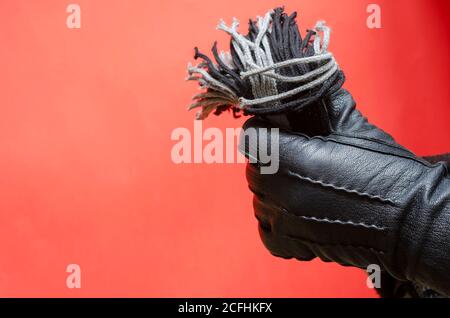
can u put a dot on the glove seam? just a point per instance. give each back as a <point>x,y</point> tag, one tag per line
<point>415,159</point>
<point>282,209</point>
<point>343,189</point>
<point>338,221</point>
<point>378,141</point>
<point>307,241</point>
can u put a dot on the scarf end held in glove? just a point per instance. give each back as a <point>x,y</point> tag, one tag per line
<point>272,71</point>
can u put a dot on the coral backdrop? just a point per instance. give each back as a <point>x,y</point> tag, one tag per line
<point>86,115</point>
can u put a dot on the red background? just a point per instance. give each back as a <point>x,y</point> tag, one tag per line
<point>86,115</point>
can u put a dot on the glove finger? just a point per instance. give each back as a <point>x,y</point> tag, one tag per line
<point>284,247</point>
<point>275,241</point>
<point>324,238</point>
<point>346,119</point>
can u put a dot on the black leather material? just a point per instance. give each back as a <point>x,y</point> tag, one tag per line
<point>444,158</point>
<point>355,197</point>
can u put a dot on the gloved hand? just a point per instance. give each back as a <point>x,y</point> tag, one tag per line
<point>354,197</point>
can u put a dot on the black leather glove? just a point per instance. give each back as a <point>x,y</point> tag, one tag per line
<point>355,197</point>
